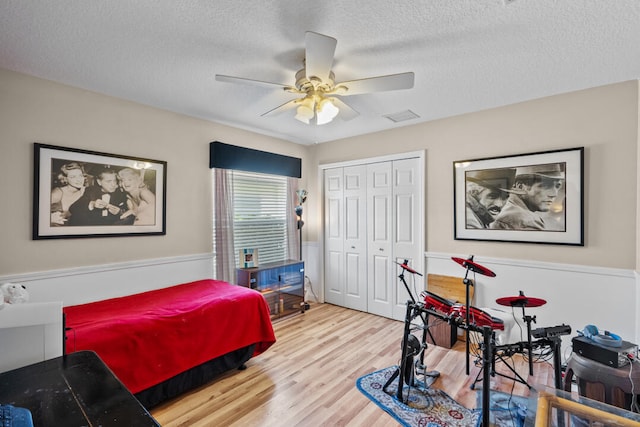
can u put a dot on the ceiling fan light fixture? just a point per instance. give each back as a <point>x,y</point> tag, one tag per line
<point>304,112</point>
<point>326,111</point>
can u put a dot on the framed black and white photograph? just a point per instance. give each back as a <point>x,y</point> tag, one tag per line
<point>528,198</point>
<point>81,193</point>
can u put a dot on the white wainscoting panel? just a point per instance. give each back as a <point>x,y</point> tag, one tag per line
<point>86,284</point>
<point>311,257</point>
<point>29,333</point>
<point>576,295</point>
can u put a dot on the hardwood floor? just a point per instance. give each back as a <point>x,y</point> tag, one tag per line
<point>307,378</point>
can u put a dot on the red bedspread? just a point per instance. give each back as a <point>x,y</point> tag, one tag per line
<point>150,337</point>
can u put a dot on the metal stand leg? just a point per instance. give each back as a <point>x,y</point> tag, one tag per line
<point>557,363</point>
<point>528,320</point>
<point>487,357</point>
<point>467,283</point>
<point>405,344</point>
<point>425,332</point>
<point>497,355</point>
<point>425,322</point>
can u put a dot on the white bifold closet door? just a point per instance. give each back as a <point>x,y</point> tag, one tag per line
<point>380,238</point>
<point>372,220</point>
<point>408,231</point>
<point>345,237</point>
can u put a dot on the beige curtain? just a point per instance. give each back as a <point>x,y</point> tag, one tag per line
<point>293,234</point>
<point>223,226</point>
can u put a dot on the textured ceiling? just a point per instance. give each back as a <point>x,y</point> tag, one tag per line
<point>467,55</point>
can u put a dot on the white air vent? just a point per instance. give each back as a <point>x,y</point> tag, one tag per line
<point>402,116</point>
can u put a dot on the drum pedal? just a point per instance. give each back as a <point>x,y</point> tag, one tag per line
<point>421,370</point>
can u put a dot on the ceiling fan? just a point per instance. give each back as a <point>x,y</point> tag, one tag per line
<point>320,101</point>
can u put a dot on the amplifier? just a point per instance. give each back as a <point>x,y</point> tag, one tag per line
<point>615,357</point>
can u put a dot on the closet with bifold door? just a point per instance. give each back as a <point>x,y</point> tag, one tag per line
<point>373,219</point>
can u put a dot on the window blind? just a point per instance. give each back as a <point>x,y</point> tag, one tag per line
<point>260,215</point>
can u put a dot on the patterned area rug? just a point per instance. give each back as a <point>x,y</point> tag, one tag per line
<point>425,407</point>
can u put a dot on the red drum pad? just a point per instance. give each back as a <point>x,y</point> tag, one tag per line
<point>521,301</point>
<point>474,266</point>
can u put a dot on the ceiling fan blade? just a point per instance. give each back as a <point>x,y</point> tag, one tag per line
<point>346,111</point>
<point>282,108</point>
<point>376,84</point>
<point>251,82</point>
<point>319,51</point>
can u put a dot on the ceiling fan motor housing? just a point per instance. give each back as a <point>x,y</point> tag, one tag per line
<point>310,84</point>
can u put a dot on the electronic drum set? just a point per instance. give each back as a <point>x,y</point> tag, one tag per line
<point>471,319</point>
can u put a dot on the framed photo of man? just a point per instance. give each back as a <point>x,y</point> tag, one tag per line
<point>526,198</point>
<point>81,193</point>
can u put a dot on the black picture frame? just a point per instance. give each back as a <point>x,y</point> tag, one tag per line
<point>81,193</point>
<point>511,198</point>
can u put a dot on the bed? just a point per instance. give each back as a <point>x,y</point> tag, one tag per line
<point>163,342</point>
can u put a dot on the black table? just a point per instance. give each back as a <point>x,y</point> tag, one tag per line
<point>77,389</point>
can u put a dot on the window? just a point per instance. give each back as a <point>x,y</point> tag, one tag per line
<point>260,214</point>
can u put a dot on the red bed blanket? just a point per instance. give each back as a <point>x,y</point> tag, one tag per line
<point>150,337</point>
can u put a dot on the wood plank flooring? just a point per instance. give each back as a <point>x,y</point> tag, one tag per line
<point>307,378</point>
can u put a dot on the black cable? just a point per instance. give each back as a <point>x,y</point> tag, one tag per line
<point>513,421</point>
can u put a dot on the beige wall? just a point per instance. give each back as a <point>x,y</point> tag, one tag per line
<point>35,110</point>
<point>604,120</point>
